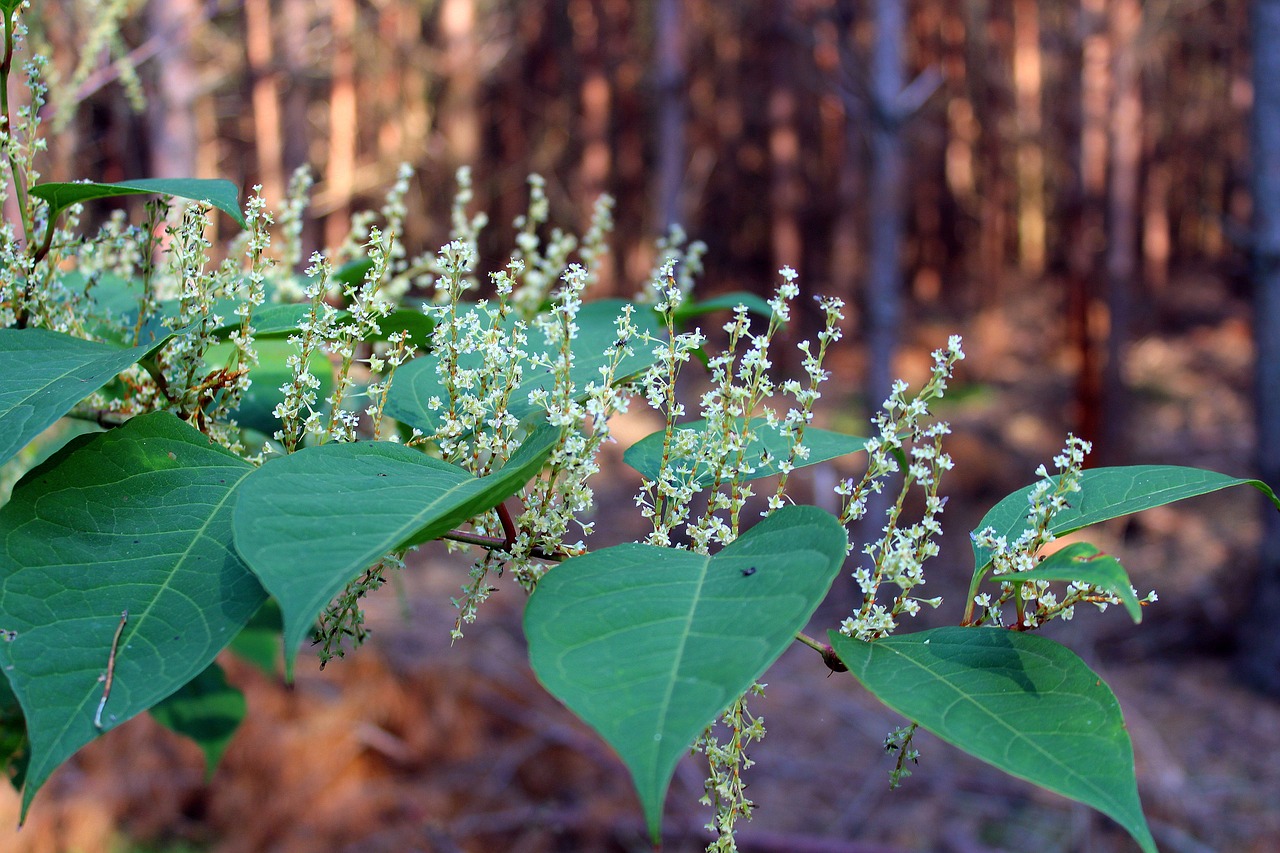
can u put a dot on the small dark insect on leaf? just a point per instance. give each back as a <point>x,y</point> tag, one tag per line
<point>749,571</point>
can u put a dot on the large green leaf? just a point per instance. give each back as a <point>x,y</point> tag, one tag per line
<point>1019,702</point>
<point>206,709</point>
<point>216,192</point>
<point>1107,493</point>
<point>649,644</point>
<point>310,522</point>
<point>1084,563</point>
<point>421,379</point>
<point>44,374</point>
<point>646,454</point>
<point>136,520</point>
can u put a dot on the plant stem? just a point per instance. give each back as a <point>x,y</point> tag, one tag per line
<point>829,656</point>
<point>6,65</point>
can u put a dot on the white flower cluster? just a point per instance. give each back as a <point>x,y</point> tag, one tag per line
<point>725,452</point>
<point>1035,602</point>
<point>898,557</point>
<point>725,789</point>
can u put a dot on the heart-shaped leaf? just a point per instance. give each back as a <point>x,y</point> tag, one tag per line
<point>46,374</point>
<point>215,192</point>
<point>206,709</point>
<point>1019,702</point>
<point>594,347</point>
<point>649,644</point>
<point>136,520</point>
<point>646,455</point>
<point>1107,493</point>
<point>310,522</point>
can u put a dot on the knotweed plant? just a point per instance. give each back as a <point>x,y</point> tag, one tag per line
<point>263,440</point>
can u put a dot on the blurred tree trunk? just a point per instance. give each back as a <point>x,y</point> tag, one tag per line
<point>459,113</point>
<point>886,175</point>
<point>785,190</point>
<point>1027,81</point>
<point>259,40</point>
<point>1123,203</point>
<point>340,170</point>
<point>1260,632</point>
<point>846,247</point>
<point>669,76</point>
<point>172,119</point>
<point>1086,309</point>
<point>595,98</point>
<point>298,16</point>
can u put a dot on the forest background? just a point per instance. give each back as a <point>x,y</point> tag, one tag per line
<point>1066,183</point>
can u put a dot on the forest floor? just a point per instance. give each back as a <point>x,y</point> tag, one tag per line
<point>410,745</point>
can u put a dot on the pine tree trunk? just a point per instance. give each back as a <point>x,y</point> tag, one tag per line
<point>1260,634</point>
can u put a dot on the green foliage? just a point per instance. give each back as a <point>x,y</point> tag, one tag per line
<point>219,193</point>
<point>207,710</point>
<point>136,520</point>
<point>649,644</point>
<point>424,378</point>
<point>130,559</point>
<point>1107,493</point>
<point>46,374</point>
<point>310,522</point>
<point>767,448</point>
<point>1022,703</point>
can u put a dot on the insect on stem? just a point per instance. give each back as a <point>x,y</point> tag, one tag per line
<point>111,670</point>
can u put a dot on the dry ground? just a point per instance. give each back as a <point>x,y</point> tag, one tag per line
<point>411,745</point>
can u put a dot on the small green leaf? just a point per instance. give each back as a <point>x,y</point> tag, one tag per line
<point>258,642</point>
<point>258,403</point>
<point>269,321</point>
<point>648,644</point>
<point>206,709</point>
<point>10,6</point>
<point>646,454</point>
<point>724,302</point>
<point>420,380</point>
<point>136,519</point>
<point>46,373</point>
<point>215,192</point>
<point>1082,562</point>
<point>1107,493</point>
<point>1022,703</point>
<point>15,751</point>
<point>310,522</point>
<point>415,324</point>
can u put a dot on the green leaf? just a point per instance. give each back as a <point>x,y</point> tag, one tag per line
<point>215,192</point>
<point>1107,493</point>
<point>415,324</point>
<point>206,709</point>
<point>648,645</point>
<point>269,321</point>
<point>258,403</point>
<point>136,519</point>
<point>310,522</point>
<point>646,454</point>
<point>724,302</point>
<point>1022,703</point>
<point>46,373</point>
<point>10,6</point>
<point>14,748</point>
<point>1082,562</point>
<point>258,642</point>
<point>420,380</point>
